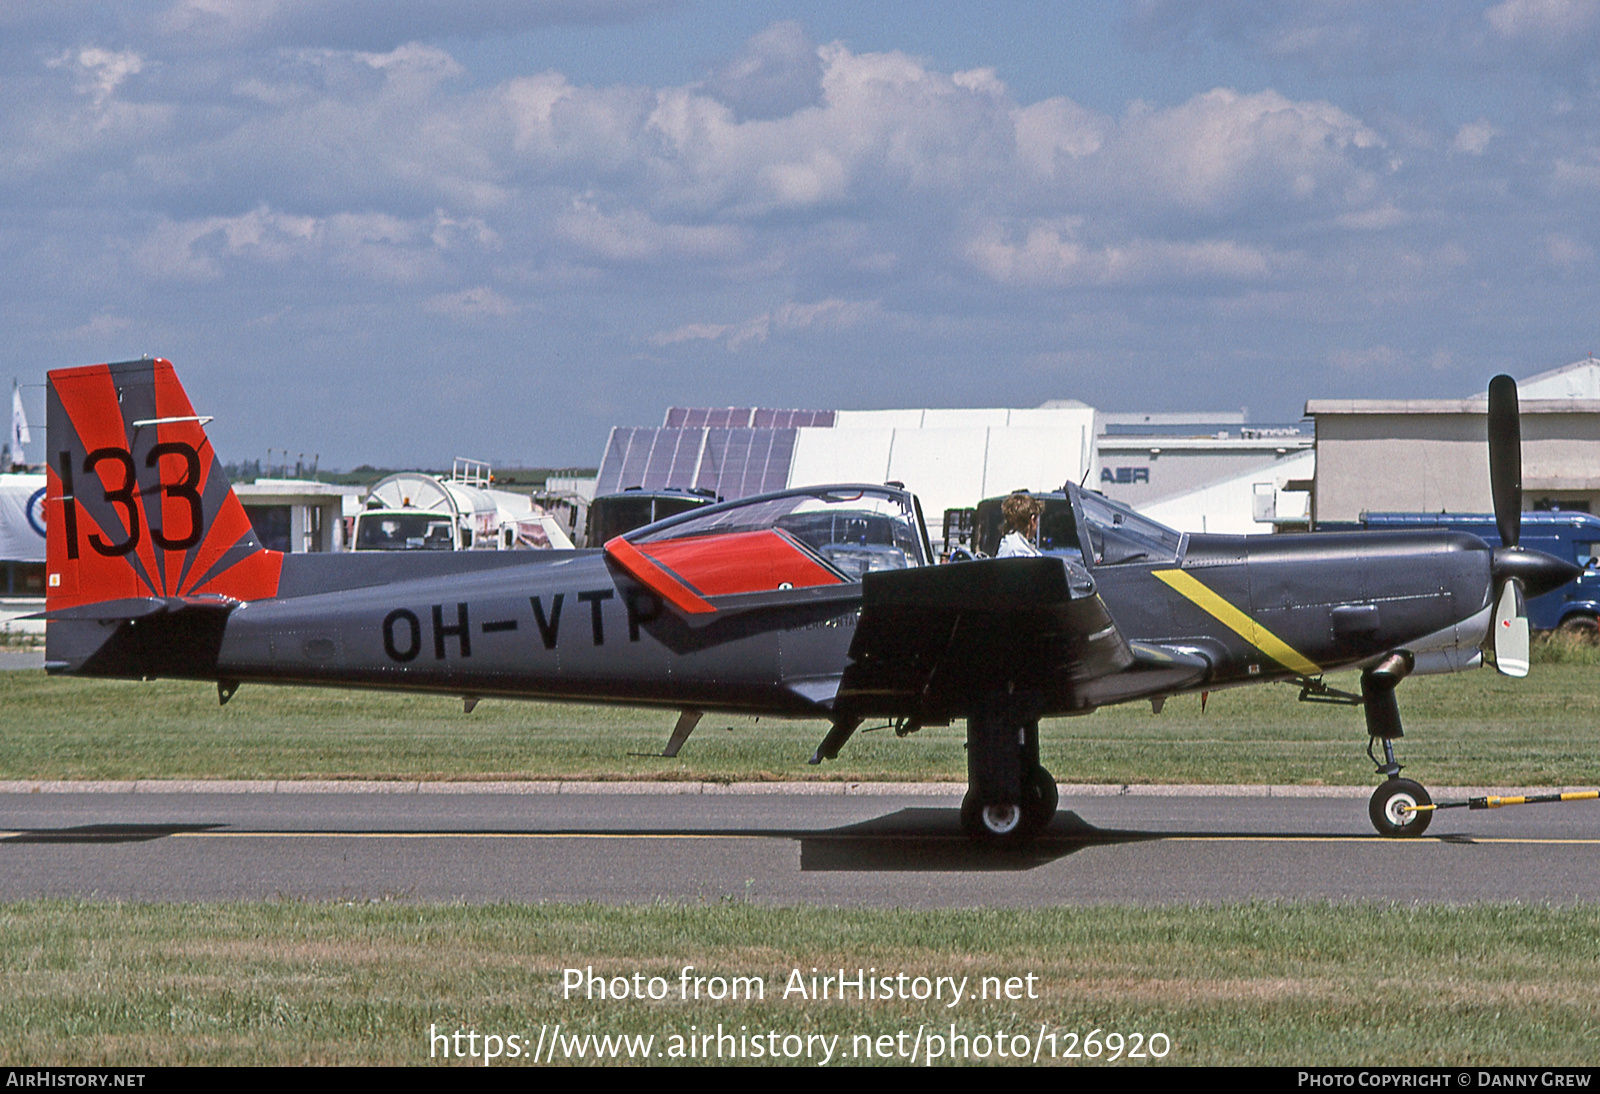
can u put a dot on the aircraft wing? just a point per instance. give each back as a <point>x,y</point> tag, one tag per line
<point>933,640</point>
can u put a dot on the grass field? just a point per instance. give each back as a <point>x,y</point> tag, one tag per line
<point>1475,728</point>
<point>1258,984</point>
<point>1287,984</point>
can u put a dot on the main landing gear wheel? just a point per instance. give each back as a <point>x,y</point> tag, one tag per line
<point>1393,806</point>
<point>1012,824</point>
<point>994,823</point>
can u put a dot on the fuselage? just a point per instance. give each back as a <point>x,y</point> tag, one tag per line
<point>573,625</point>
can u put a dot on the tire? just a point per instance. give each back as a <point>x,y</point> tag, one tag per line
<point>1003,825</point>
<point>1039,799</point>
<point>1584,627</point>
<point>1384,811</point>
<point>1012,825</point>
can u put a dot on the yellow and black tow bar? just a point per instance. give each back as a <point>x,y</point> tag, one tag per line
<point>1490,802</point>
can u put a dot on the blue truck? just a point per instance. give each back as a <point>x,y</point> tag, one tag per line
<point>1575,607</point>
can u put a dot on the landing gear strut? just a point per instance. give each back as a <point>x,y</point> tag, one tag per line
<point>1010,796</point>
<point>1394,805</point>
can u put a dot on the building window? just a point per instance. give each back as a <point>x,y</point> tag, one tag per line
<point>271,523</point>
<point>22,579</point>
<point>1561,505</point>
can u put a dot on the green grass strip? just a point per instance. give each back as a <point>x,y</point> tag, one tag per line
<point>1283,984</point>
<point>1474,728</point>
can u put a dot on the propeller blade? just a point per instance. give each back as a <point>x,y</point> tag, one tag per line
<point>1511,631</point>
<point>1505,458</point>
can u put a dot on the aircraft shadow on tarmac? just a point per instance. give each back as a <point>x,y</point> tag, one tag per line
<point>931,839</point>
<point>107,833</point>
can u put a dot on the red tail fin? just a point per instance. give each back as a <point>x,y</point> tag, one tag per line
<point>137,503</point>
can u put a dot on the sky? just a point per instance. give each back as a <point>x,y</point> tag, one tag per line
<point>396,231</point>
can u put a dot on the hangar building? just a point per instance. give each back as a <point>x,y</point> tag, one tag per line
<point>1430,455</point>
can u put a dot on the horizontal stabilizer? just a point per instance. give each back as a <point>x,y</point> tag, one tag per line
<point>136,607</point>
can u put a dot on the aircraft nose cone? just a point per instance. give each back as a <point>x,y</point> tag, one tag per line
<point>1538,572</point>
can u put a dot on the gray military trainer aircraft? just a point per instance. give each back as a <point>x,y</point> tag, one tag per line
<point>812,602</point>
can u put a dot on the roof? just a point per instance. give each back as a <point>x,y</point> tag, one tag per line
<point>1128,442</point>
<point>293,489</point>
<point>1579,380</point>
<point>1476,405</point>
<point>1570,389</point>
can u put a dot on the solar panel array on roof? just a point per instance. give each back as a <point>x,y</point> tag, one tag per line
<point>732,417</point>
<point>731,462</point>
<point>740,462</point>
<point>699,416</point>
<point>793,419</point>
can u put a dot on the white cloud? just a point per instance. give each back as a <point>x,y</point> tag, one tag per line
<point>1579,172</point>
<point>1376,219</point>
<point>1544,22</point>
<point>1054,129</point>
<point>632,236</point>
<point>100,71</point>
<point>886,128</point>
<point>378,24</point>
<point>103,326</point>
<point>364,192</point>
<point>450,233</point>
<point>380,247</point>
<point>777,72</point>
<point>481,302</point>
<point>691,332</point>
<point>1372,361</point>
<point>1566,252</point>
<point>1224,147</point>
<point>878,164</point>
<point>832,315</point>
<point>1473,138</point>
<point>1050,253</point>
<point>825,315</point>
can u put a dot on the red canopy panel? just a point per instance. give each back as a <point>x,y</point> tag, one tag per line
<point>684,571</point>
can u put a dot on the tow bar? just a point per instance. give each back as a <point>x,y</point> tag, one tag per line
<point>1489,802</point>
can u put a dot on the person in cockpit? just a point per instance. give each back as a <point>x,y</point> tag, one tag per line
<point>1020,513</point>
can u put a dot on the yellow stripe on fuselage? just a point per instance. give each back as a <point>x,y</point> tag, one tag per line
<point>1238,622</point>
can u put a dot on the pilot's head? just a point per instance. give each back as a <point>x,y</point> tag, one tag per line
<point>1021,513</point>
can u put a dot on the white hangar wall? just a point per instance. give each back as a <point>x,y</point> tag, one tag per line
<point>951,459</point>
<point>1260,500</point>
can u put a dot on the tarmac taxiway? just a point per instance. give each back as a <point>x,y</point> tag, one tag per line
<point>834,845</point>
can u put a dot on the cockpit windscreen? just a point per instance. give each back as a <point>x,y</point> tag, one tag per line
<point>855,530</point>
<point>1117,534</point>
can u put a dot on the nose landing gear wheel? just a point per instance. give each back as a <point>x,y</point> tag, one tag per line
<point>1392,809</point>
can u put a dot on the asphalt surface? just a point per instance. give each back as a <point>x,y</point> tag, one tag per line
<point>886,849</point>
